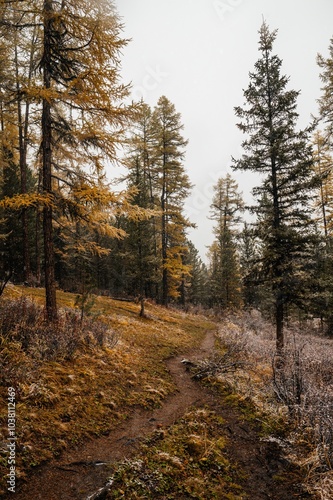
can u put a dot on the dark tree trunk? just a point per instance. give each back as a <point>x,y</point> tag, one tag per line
<point>279,317</point>
<point>38,247</point>
<point>23,175</point>
<point>279,314</point>
<point>142,306</point>
<point>165,284</point>
<point>50,287</point>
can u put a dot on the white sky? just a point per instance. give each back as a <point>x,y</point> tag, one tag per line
<point>198,53</point>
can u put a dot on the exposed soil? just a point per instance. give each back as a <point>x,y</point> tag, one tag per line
<point>79,473</point>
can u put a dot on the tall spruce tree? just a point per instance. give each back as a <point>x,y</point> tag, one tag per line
<point>140,248</point>
<point>225,276</point>
<point>283,157</point>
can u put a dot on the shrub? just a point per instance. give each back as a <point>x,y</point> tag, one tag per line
<point>23,322</point>
<point>297,384</point>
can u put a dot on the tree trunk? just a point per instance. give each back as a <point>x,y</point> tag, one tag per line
<point>276,217</point>
<point>23,175</point>
<point>165,284</point>
<point>50,287</point>
<point>38,246</point>
<point>279,316</point>
<point>142,306</point>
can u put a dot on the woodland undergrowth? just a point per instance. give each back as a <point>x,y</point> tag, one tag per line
<point>81,376</point>
<point>293,393</point>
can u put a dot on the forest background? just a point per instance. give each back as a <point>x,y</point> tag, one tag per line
<point>66,117</point>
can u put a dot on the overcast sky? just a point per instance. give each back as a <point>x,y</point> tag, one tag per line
<point>198,53</point>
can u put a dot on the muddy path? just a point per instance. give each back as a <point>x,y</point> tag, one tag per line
<point>79,473</point>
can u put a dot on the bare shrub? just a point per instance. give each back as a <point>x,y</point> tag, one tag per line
<point>22,321</point>
<point>297,385</point>
<point>289,381</point>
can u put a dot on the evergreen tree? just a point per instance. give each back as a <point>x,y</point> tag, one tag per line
<point>140,248</point>
<point>197,282</point>
<point>283,157</point>
<point>225,275</point>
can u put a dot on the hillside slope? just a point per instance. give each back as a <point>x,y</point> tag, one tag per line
<point>67,391</point>
<point>129,421</point>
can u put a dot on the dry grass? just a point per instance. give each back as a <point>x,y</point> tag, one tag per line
<point>187,460</point>
<point>61,401</point>
<point>291,394</point>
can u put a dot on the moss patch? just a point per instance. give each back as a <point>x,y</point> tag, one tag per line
<point>185,461</point>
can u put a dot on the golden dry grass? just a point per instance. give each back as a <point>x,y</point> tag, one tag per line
<point>187,460</point>
<point>62,402</point>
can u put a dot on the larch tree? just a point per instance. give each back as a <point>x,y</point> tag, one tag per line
<point>323,167</point>
<point>25,57</point>
<point>283,157</point>
<point>225,279</point>
<point>326,99</point>
<point>13,244</point>
<point>172,186</point>
<point>76,88</point>
<point>21,32</point>
<point>323,256</point>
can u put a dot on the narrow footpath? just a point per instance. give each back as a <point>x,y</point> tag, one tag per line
<point>79,474</point>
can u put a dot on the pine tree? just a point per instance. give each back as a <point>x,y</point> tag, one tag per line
<point>140,248</point>
<point>225,276</point>
<point>283,157</point>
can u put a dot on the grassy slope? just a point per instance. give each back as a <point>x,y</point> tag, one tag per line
<point>61,403</point>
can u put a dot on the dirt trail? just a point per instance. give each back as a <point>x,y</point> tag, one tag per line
<point>79,473</point>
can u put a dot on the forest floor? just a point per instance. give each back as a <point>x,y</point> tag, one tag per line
<point>257,468</point>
